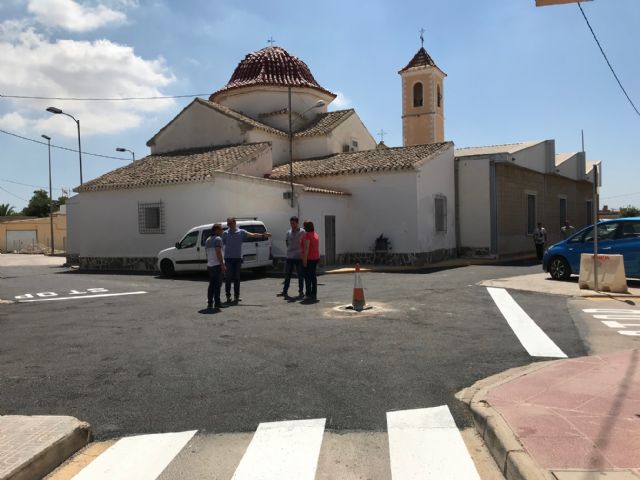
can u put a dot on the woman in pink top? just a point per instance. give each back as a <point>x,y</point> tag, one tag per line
<point>310,246</point>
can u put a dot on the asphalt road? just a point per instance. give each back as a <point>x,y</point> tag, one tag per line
<point>159,362</point>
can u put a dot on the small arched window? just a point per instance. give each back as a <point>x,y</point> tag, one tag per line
<point>417,95</point>
<point>439,97</point>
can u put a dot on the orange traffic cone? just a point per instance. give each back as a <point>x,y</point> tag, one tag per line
<point>358,302</point>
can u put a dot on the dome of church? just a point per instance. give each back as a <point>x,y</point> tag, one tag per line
<point>271,66</point>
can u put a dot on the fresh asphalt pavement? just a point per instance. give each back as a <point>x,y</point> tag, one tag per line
<point>158,361</point>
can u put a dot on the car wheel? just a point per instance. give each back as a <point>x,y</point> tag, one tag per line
<point>559,268</point>
<point>167,268</point>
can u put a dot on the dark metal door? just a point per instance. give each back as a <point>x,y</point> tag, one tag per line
<point>329,239</point>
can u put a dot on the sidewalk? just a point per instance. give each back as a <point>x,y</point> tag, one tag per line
<point>575,419</point>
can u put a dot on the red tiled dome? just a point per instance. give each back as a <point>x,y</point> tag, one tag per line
<point>271,66</point>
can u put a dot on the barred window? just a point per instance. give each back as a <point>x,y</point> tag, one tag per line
<point>441,213</point>
<point>151,217</point>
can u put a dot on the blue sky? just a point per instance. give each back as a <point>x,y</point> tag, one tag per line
<point>514,73</point>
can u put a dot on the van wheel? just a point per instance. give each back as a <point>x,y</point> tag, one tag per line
<point>559,268</point>
<point>167,268</point>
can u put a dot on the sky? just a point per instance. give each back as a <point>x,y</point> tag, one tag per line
<point>515,73</point>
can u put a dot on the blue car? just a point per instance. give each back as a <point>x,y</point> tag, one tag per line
<point>620,236</point>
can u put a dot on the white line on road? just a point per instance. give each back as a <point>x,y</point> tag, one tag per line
<point>143,457</point>
<point>283,451</point>
<point>51,299</point>
<point>426,444</point>
<point>531,336</point>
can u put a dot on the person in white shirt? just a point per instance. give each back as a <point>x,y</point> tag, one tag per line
<point>215,266</point>
<point>540,239</point>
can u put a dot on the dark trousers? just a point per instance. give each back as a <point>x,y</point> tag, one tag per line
<point>233,275</point>
<point>540,250</point>
<point>310,278</point>
<point>215,284</point>
<point>291,264</point>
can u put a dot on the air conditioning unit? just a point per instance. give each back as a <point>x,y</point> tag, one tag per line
<point>346,148</point>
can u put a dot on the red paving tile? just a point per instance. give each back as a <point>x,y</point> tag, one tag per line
<point>565,452</point>
<point>577,414</point>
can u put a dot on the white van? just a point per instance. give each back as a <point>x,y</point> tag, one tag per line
<point>189,253</point>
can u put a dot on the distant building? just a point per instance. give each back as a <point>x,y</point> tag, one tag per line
<point>33,234</point>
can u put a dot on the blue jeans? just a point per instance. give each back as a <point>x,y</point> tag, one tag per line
<point>233,275</point>
<point>291,264</point>
<point>310,279</point>
<point>215,284</point>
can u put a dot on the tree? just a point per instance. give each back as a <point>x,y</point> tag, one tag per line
<point>6,210</point>
<point>629,211</point>
<point>38,205</point>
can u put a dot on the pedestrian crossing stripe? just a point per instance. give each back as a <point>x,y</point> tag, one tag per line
<point>142,457</point>
<point>423,443</point>
<point>531,336</point>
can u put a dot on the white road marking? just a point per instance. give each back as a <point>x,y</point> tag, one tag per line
<point>51,299</point>
<point>610,316</point>
<point>426,444</point>
<point>531,336</point>
<point>142,457</point>
<point>283,451</point>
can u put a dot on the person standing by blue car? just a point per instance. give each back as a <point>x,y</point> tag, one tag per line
<point>232,239</point>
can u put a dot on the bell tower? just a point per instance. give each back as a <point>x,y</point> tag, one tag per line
<point>422,100</point>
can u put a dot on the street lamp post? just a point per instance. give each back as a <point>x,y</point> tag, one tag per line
<point>318,104</point>
<point>57,111</point>
<point>133,155</point>
<point>48,139</point>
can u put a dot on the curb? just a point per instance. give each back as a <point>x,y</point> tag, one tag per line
<point>514,461</point>
<point>45,461</point>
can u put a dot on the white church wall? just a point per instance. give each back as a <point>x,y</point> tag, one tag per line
<point>573,167</point>
<point>436,179</point>
<point>474,197</point>
<point>259,100</point>
<point>105,224</point>
<point>256,167</point>
<point>199,126</point>
<point>315,207</point>
<point>351,129</point>
<point>379,204</point>
<point>537,157</point>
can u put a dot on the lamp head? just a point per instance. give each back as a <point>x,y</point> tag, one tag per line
<point>54,110</point>
<point>46,137</point>
<point>120,149</point>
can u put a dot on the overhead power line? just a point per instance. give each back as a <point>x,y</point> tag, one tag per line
<point>23,199</point>
<point>104,99</point>
<point>607,60</point>
<point>28,185</point>
<point>64,148</point>
<point>622,195</point>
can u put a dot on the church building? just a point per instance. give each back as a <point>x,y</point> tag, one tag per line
<point>266,146</point>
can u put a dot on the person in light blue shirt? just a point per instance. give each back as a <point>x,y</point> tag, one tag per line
<point>232,239</point>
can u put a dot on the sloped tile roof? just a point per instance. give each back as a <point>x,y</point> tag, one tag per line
<point>325,191</point>
<point>325,123</point>
<point>368,161</point>
<point>271,66</point>
<point>420,59</point>
<point>493,149</point>
<point>193,165</point>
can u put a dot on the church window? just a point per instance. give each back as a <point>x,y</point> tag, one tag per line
<point>151,217</point>
<point>439,94</point>
<point>417,95</point>
<point>441,213</point>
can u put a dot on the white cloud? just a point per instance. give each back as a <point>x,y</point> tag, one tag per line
<point>34,66</point>
<point>341,102</point>
<point>72,16</point>
<point>12,121</point>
